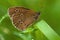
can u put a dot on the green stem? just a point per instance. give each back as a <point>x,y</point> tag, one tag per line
<point>3,18</point>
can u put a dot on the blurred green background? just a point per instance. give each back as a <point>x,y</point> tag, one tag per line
<point>50,13</point>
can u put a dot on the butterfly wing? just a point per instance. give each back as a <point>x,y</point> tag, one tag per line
<point>22,17</point>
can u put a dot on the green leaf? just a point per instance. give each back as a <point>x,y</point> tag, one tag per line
<point>47,30</point>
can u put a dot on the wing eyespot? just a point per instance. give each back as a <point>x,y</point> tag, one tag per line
<point>21,14</point>
<point>16,10</point>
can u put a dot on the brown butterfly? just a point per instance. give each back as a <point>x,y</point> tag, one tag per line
<point>22,17</point>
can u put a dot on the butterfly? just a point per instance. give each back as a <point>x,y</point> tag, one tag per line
<point>22,17</point>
